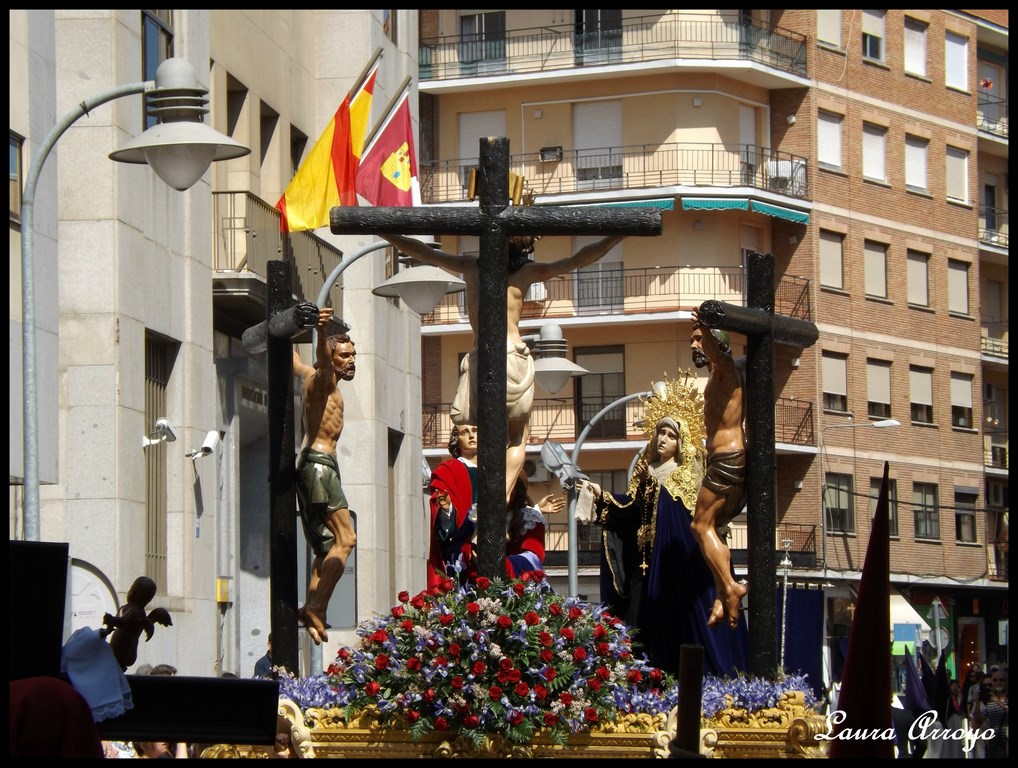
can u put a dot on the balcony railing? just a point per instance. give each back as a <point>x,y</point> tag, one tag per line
<point>991,115</point>
<point>993,227</point>
<point>247,236</point>
<point>996,560</point>
<point>556,419</point>
<point>646,38</point>
<point>994,336</point>
<point>632,167</point>
<point>631,291</point>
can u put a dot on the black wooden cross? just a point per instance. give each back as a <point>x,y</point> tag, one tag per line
<point>762,328</point>
<point>493,221</point>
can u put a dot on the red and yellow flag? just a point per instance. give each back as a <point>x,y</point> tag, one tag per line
<point>388,169</point>
<point>327,176</point>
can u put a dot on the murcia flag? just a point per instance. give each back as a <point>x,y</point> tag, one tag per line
<point>388,171</point>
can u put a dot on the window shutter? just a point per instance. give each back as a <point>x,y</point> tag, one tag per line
<point>956,61</point>
<point>829,138</point>
<point>831,273</point>
<point>915,47</point>
<point>835,378</point>
<point>957,287</point>
<point>878,381</point>
<point>876,269</point>
<point>918,281</point>
<point>874,151</point>
<point>829,27</point>
<point>961,390</point>
<point>921,385</point>
<point>957,174</point>
<point>915,162</point>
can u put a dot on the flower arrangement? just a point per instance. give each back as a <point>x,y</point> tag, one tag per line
<point>752,694</point>
<point>495,657</point>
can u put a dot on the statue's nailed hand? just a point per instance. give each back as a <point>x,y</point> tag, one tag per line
<point>306,314</point>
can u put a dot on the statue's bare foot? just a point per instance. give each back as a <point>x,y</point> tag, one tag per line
<point>314,625</point>
<point>733,604</point>
<point>717,613</point>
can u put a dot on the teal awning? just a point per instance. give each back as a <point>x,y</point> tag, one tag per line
<point>799,217</point>
<point>715,204</point>
<point>665,204</point>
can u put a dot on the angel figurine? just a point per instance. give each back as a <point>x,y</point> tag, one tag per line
<point>126,627</point>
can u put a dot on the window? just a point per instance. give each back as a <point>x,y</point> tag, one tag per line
<point>159,357</point>
<point>829,139</point>
<point>831,260</point>
<point>875,269</point>
<point>956,62</point>
<point>873,35</point>
<point>597,138</point>
<point>957,287</point>
<point>892,501</point>
<point>965,516</point>
<point>838,498</point>
<point>599,286</point>
<point>915,47</point>
<point>878,388</point>
<point>874,152</point>
<point>598,36</point>
<point>482,42</point>
<point>957,174</point>
<point>918,278</point>
<point>961,400</point>
<point>829,28</point>
<point>605,384</point>
<point>474,126</point>
<point>389,25</point>
<point>927,514</point>
<point>16,180</point>
<point>835,382</point>
<point>920,381</point>
<point>156,47</point>
<point>915,162</point>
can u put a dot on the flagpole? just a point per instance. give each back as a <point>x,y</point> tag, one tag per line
<point>404,86</point>
<point>364,72</point>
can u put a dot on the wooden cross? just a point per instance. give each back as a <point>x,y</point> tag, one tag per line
<point>762,328</point>
<point>493,221</point>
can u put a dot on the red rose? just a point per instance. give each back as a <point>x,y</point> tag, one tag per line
<point>546,655</point>
<point>503,677</point>
<point>479,667</point>
<point>429,695</point>
<point>521,689</point>
<point>538,575</point>
<point>594,684</point>
<point>473,608</point>
<point>413,664</point>
<point>550,718</point>
<point>446,619</point>
<point>545,639</point>
<point>549,673</point>
<point>505,664</point>
<point>604,673</point>
<point>575,612</point>
<point>406,625</point>
<point>457,682</point>
<point>567,633</point>
<point>454,649</point>
<point>483,582</point>
<point>413,715</point>
<point>471,721</point>
<point>603,649</point>
<point>655,675</point>
<point>514,675</point>
<point>515,717</point>
<point>495,693</point>
<point>555,609</point>
<point>440,661</point>
<point>504,622</point>
<point>634,676</point>
<point>566,698</point>
<point>447,584</point>
<point>398,611</point>
<point>344,653</point>
<point>540,691</point>
<point>599,631</point>
<point>372,688</point>
<point>590,715</point>
<point>403,596</point>
<point>623,655</point>
<point>580,653</point>
<point>381,661</point>
<point>417,602</point>
<point>519,588</point>
<point>332,670</point>
<point>379,636</point>
<point>441,724</point>
<point>531,618</point>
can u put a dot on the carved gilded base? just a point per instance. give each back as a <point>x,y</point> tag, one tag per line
<point>786,730</point>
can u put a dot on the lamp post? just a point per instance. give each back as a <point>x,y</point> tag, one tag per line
<point>786,563</point>
<point>881,424</point>
<point>179,148</point>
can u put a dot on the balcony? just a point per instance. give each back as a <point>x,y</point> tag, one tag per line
<point>993,227</point>
<point>802,553</point>
<point>632,167</point>
<point>993,341</point>
<point>664,37</point>
<point>556,419</point>
<point>611,292</point>
<point>991,115</point>
<point>247,236</point>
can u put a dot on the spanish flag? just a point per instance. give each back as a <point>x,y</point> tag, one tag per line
<point>327,176</point>
<point>388,170</point>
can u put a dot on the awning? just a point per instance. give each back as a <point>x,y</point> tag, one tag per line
<point>665,204</point>
<point>902,612</point>
<point>715,204</point>
<point>799,217</point>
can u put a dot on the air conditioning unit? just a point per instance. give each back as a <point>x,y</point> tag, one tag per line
<point>536,471</point>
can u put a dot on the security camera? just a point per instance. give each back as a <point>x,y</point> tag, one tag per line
<point>207,447</point>
<point>165,429</point>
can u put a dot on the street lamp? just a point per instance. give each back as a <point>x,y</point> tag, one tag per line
<point>881,424</point>
<point>785,563</point>
<point>551,366</point>
<point>179,148</point>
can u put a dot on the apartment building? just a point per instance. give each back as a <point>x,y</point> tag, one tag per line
<point>865,150</point>
<point>143,294</point>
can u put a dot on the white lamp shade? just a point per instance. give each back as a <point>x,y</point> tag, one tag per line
<point>553,373</point>
<point>420,287</point>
